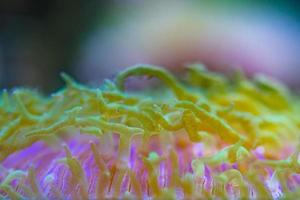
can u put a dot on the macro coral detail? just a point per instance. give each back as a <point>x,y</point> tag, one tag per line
<point>202,136</point>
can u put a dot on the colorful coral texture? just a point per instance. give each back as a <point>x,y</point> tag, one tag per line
<point>203,136</point>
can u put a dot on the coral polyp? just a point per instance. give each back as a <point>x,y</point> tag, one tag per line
<point>203,136</point>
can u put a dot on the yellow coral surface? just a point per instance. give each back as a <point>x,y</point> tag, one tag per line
<point>233,118</point>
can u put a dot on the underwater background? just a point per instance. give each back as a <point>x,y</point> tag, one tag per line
<point>93,40</point>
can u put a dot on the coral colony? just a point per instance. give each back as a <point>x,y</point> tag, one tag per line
<point>206,136</point>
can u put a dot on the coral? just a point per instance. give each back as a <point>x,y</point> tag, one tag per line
<point>205,136</point>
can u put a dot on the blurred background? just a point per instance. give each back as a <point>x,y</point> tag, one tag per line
<point>93,40</point>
